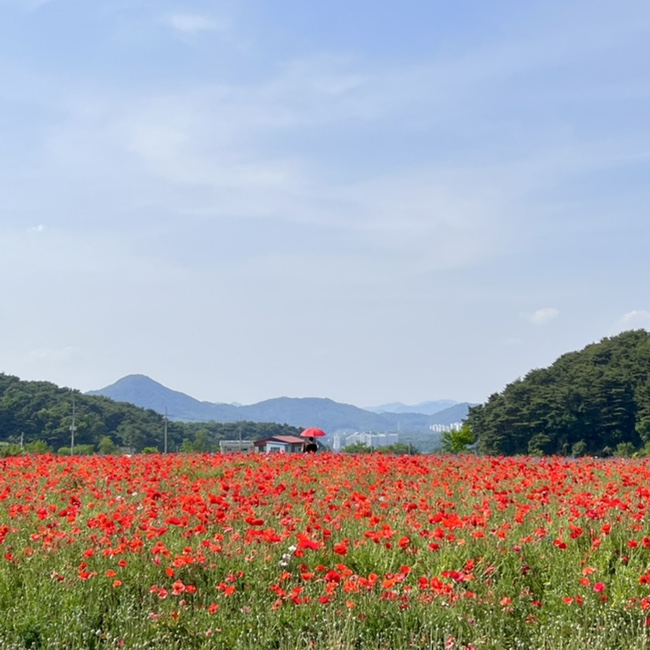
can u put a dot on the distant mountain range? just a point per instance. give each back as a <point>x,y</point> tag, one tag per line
<point>428,408</point>
<point>302,412</point>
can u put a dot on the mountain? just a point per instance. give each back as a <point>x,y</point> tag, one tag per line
<point>302,412</point>
<point>147,393</point>
<point>428,408</point>
<point>456,413</point>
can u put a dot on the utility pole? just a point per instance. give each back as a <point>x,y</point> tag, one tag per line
<point>165,429</point>
<point>73,427</point>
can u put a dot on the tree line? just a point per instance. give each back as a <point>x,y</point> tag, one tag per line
<point>38,416</point>
<point>595,401</point>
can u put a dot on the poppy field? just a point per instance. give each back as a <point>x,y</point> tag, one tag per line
<point>326,551</point>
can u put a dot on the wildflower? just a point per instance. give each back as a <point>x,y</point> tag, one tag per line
<point>332,576</point>
<point>341,548</point>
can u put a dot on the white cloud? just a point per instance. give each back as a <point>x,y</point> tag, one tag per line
<point>636,319</point>
<point>211,151</point>
<point>193,23</point>
<point>542,316</point>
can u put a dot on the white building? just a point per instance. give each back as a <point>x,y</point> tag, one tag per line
<point>340,441</point>
<point>441,428</point>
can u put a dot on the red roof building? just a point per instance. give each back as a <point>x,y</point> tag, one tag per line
<point>279,445</point>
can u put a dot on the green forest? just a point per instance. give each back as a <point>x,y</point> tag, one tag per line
<point>38,416</point>
<point>592,402</point>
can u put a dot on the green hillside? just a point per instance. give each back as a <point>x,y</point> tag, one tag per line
<point>39,414</point>
<point>595,401</point>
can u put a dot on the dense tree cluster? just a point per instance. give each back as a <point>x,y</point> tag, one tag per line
<point>595,401</point>
<point>396,449</point>
<point>37,416</point>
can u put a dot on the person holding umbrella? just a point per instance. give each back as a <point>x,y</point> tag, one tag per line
<point>310,446</point>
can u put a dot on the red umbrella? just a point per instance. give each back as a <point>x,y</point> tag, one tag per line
<point>313,433</point>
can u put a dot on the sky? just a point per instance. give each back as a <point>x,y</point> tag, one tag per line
<point>368,200</point>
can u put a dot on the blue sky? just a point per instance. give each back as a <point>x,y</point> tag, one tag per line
<point>368,201</point>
